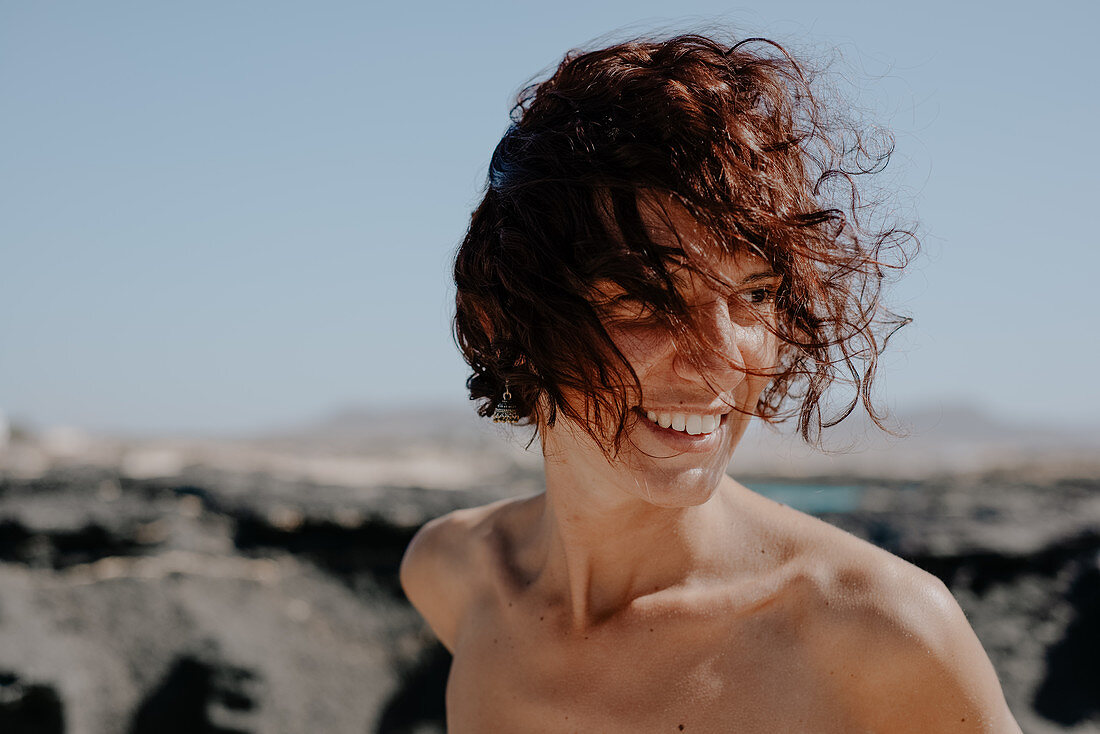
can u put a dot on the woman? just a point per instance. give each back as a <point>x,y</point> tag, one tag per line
<point>672,243</point>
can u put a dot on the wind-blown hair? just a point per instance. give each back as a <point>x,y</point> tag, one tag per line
<point>737,138</point>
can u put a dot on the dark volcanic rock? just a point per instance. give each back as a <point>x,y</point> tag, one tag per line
<point>29,708</point>
<point>294,588</point>
<point>216,602</point>
<point>417,706</point>
<point>1070,691</point>
<point>202,694</point>
<point>371,549</point>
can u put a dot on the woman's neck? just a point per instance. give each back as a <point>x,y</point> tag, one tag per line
<point>600,548</point>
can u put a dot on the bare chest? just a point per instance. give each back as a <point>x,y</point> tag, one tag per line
<point>658,673</point>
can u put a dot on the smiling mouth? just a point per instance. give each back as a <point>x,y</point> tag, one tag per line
<point>690,423</point>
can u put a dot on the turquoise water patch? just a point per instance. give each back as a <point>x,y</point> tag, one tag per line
<point>811,498</point>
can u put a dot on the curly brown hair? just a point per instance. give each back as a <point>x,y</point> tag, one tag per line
<point>736,136</point>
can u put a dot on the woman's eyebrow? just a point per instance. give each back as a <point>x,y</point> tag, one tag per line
<point>762,275</point>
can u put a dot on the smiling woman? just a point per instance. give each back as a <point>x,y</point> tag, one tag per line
<point>672,243</point>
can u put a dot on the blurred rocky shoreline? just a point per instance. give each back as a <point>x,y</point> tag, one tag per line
<point>251,585</point>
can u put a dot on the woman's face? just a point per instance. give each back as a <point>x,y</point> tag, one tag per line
<point>689,418</point>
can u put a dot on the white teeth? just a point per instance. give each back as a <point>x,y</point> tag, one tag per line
<point>693,425</point>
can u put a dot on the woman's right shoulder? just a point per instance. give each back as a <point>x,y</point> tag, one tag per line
<point>444,560</point>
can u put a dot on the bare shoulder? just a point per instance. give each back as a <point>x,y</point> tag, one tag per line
<point>841,571</point>
<point>892,642</point>
<point>440,565</point>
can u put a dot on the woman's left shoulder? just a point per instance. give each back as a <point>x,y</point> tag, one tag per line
<point>900,649</point>
<point>846,573</point>
<point>887,636</point>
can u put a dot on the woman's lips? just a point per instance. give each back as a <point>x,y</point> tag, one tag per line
<point>680,440</point>
<point>691,423</point>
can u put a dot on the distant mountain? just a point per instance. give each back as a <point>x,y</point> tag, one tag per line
<point>362,429</point>
<point>948,424</point>
<point>449,446</point>
<point>923,428</point>
<point>928,441</point>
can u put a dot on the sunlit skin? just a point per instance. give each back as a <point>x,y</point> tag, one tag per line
<point>650,592</point>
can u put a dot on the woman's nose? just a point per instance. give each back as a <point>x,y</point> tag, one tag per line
<point>723,343</point>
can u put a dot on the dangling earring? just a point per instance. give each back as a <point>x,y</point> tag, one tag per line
<point>506,410</point>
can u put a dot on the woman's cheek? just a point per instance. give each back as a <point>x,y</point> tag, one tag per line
<point>640,344</point>
<point>761,350</point>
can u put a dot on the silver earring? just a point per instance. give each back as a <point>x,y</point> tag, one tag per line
<point>506,409</point>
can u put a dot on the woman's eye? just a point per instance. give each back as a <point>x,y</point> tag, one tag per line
<point>632,309</point>
<point>760,295</point>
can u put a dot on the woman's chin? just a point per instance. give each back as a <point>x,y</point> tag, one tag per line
<point>684,478</point>
<point>684,488</point>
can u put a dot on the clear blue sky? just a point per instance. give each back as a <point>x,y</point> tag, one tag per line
<point>237,215</point>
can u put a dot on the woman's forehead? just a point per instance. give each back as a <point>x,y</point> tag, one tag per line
<point>671,226</point>
<point>693,257</point>
<point>720,270</point>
